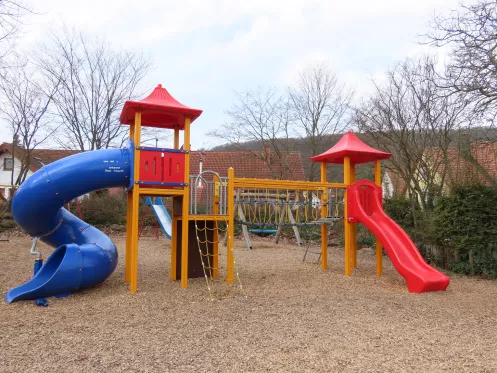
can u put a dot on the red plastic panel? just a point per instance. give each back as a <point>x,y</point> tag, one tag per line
<point>162,166</point>
<point>174,167</point>
<point>150,166</point>
<point>350,146</point>
<point>366,195</point>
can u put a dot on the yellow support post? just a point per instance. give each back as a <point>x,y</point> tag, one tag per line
<point>135,201</point>
<point>176,138</point>
<point>129,235</point>
<point>185,208</point>
<point>347,225</point>
<point>129,219</point>
<point>174,248</point>
<point>353,226</point>
<point>379,248</point>
<point>324,227</point>
<point>215,239</point>
<point>231,227</point>
<point>174,228</point>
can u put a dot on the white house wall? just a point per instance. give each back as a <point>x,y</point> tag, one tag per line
<point>387,186</point>
<point>6,176</point>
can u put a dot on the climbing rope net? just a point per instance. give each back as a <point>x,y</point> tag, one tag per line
<point>268,211</point>
<point>270,208</point>
<point>210,238</point>
<point>262,211</point>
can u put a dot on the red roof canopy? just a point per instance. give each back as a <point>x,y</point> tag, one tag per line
<point>350,145</point>
<point>159,109</point>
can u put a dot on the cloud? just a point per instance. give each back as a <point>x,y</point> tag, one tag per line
<point>204,50</point>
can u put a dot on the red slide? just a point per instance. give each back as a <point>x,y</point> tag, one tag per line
<point>365,206</point>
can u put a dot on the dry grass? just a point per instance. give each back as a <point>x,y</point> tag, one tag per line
<point>296,318</point>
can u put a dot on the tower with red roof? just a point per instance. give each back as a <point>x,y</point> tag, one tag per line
<point>159,172</point>
<point>349,151</point>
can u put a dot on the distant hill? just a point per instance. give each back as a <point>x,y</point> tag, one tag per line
<point>335,172</point>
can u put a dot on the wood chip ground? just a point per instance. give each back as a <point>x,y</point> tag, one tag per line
<point>296,318</point>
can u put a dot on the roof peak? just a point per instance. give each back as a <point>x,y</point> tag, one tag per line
<point>159,109</point>
<point>351,146</point>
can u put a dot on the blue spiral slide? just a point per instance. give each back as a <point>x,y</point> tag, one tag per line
<point>84,256</point>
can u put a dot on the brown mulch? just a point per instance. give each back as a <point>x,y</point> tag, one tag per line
<point>296,318</point>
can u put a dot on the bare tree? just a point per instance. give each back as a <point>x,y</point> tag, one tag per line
<point>259,124</point>
<point>319,106</point>
<point>471,33</point>
<point>94,81</point>
<point>408,117</point>
<point>11,15</point>
<point>25,105</point>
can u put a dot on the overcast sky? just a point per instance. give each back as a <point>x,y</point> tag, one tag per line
<point>204,50</point>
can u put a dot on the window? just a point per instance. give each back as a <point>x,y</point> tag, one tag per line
<point>8,164</point>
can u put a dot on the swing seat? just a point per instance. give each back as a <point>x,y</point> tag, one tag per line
<point>263,232</point>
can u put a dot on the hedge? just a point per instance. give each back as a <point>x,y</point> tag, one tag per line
<point>466,225</point>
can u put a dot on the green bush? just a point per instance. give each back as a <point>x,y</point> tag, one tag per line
<point>365,237</point>
<point>102,209</point>
<point>400,210</point>
<point>418,224</point>
<point>308,233</point>
<point>466,225</point>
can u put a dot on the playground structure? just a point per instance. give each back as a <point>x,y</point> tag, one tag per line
<point>204,209</point>
<point>163,219</point>
<point>264,212</point>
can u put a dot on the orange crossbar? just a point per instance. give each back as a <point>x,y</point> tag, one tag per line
<point>284,184</point>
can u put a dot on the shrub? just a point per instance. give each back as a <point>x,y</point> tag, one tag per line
<point>308,233</point>
<point>103,209</point>
<point>466,224</point>
<point>418,224</point>
<point>400,210</point>
<point>365,237</point>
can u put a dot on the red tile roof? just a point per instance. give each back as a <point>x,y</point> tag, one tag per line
<point>246,164</point>
<point>460,169</point>
<point>39,157</point>
<point>463,170</point>
<point>287,166</point>
<point>399,185</point>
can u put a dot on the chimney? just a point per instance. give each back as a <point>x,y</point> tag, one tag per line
<point>267,150</point>
<point>201,169</point>
<point>464,144</point>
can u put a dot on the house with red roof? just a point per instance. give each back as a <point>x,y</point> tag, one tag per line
<point>246,164</point>
<point>393,184</point>
<point>260,165</point>
<point>479,167</point>
<point>264,165</point>
<point>451,168</point>
<point>11,159</point>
